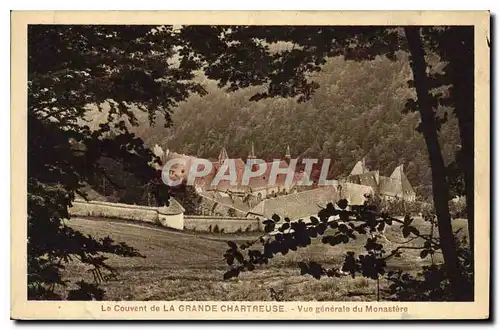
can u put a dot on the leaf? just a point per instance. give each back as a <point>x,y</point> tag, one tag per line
<point>330,208</point>
<point>344,216</point>
<point>234,272</point>
<point>315,270</point>
<point>232,245</point>
<point>342,204</point>
<point>381,226</point>
<point>321,228</point>
<point>323,215</point>
<point>285,226</point>
<point>314,220</point>
<point>303,268</point>
<point>238,256</point>
<point>269,228</point>
<point>230,260</point>
<point>343,228</point>
<point>332,240</point>
<point>407,220</point>
<point>276,218</point>
<point>414,230</point>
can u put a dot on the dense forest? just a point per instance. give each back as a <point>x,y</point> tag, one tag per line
<point>358,111</point>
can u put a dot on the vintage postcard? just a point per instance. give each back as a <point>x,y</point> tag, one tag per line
<point>250,165</point>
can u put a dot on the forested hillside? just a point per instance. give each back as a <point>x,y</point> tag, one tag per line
<point>356,112</point>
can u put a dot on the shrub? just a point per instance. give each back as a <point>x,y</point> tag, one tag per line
<point>400,207</point>
<point>431,284</point>
<point>458,208</point>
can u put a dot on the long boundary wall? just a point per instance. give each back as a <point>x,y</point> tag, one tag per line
<point>150,214</point>
<point>114,210</point>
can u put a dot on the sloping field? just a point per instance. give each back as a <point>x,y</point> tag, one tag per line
<point>187,266</point>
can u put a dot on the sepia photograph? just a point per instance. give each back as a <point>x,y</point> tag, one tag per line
<point>256,163</point>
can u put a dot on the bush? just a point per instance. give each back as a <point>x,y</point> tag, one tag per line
<point>458,208</point>
<point>399,208</point>
<point>431,284</point>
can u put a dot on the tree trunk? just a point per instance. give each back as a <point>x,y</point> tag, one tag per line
<point>460,51</point>
<point>439,185</point>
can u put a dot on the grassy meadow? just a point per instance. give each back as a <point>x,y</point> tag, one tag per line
<point>190,266</point>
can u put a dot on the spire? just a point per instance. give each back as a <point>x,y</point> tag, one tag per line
<point>252,153</point>
<point>223,156</point>
<point>288,154</point>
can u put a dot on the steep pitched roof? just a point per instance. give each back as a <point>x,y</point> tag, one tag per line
<point>368,179</point>
<point>397,185</point>
<point>296,206</point>
<point>359,168</point>
<point>398,174</point>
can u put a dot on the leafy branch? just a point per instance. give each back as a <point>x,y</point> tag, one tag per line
<point>281,237</point>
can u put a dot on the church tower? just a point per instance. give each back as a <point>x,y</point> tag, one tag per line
<point>223,156</point>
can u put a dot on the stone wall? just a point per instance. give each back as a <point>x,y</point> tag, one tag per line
<point>114,210</point>
<point>149,214</point>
